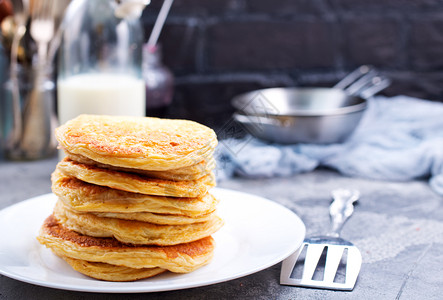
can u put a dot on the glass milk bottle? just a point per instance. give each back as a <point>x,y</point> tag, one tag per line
<point>100,61</point>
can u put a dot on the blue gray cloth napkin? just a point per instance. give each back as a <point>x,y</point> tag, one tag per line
<point>398,139</point>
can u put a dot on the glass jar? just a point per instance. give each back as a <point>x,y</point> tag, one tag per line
<point>159,82</point>
<point>14,93</point>
<point>100,62</point>
<point>28,119</point>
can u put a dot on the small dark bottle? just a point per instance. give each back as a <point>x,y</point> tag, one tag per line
<point>159,82</point>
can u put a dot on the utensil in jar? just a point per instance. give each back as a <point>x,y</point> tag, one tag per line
<point>21,15</point>
<point>59,13</point>
<point>335,251</point>
<point>38,115</point>
<point>42,26</point>
<point>39,120</point>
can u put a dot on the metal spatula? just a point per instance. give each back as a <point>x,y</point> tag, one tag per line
<point>330,262</point>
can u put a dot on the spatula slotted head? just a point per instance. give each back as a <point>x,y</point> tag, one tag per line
<point>333,265</point>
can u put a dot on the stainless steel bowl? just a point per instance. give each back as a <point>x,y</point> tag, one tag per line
<point>299,115</point>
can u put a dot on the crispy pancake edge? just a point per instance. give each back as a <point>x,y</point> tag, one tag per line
<point>180,258</point>
<point>136,183</point>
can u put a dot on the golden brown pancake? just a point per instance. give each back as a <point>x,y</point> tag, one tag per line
<point>133,197</point>
<point>108,272</point>
<point>134,232</point>
<point>140,143</point>
<point>180,258</point>
<point>193,172</point>
<point>160,219</point>
<point>136,183</point>
<point>87,197</point>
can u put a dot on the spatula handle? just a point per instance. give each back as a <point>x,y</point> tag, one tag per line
<point>341,209</point>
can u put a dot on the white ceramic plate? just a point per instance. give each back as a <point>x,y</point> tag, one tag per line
<point>257,234</point>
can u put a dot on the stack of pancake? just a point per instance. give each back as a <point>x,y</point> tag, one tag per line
<point>133,197</point>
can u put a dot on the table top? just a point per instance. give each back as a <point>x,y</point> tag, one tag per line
<point>398,227</point>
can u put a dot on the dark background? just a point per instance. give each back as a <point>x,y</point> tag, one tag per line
<point>219,48</point>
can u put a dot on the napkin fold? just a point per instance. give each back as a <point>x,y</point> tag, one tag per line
<point>398,139</point>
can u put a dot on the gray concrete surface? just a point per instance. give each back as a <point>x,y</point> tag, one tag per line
<point>397,226</point>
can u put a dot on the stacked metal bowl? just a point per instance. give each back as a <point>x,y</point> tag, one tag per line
<point>309,115</point>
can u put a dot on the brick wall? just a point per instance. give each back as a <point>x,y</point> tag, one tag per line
<point>219,48</point>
